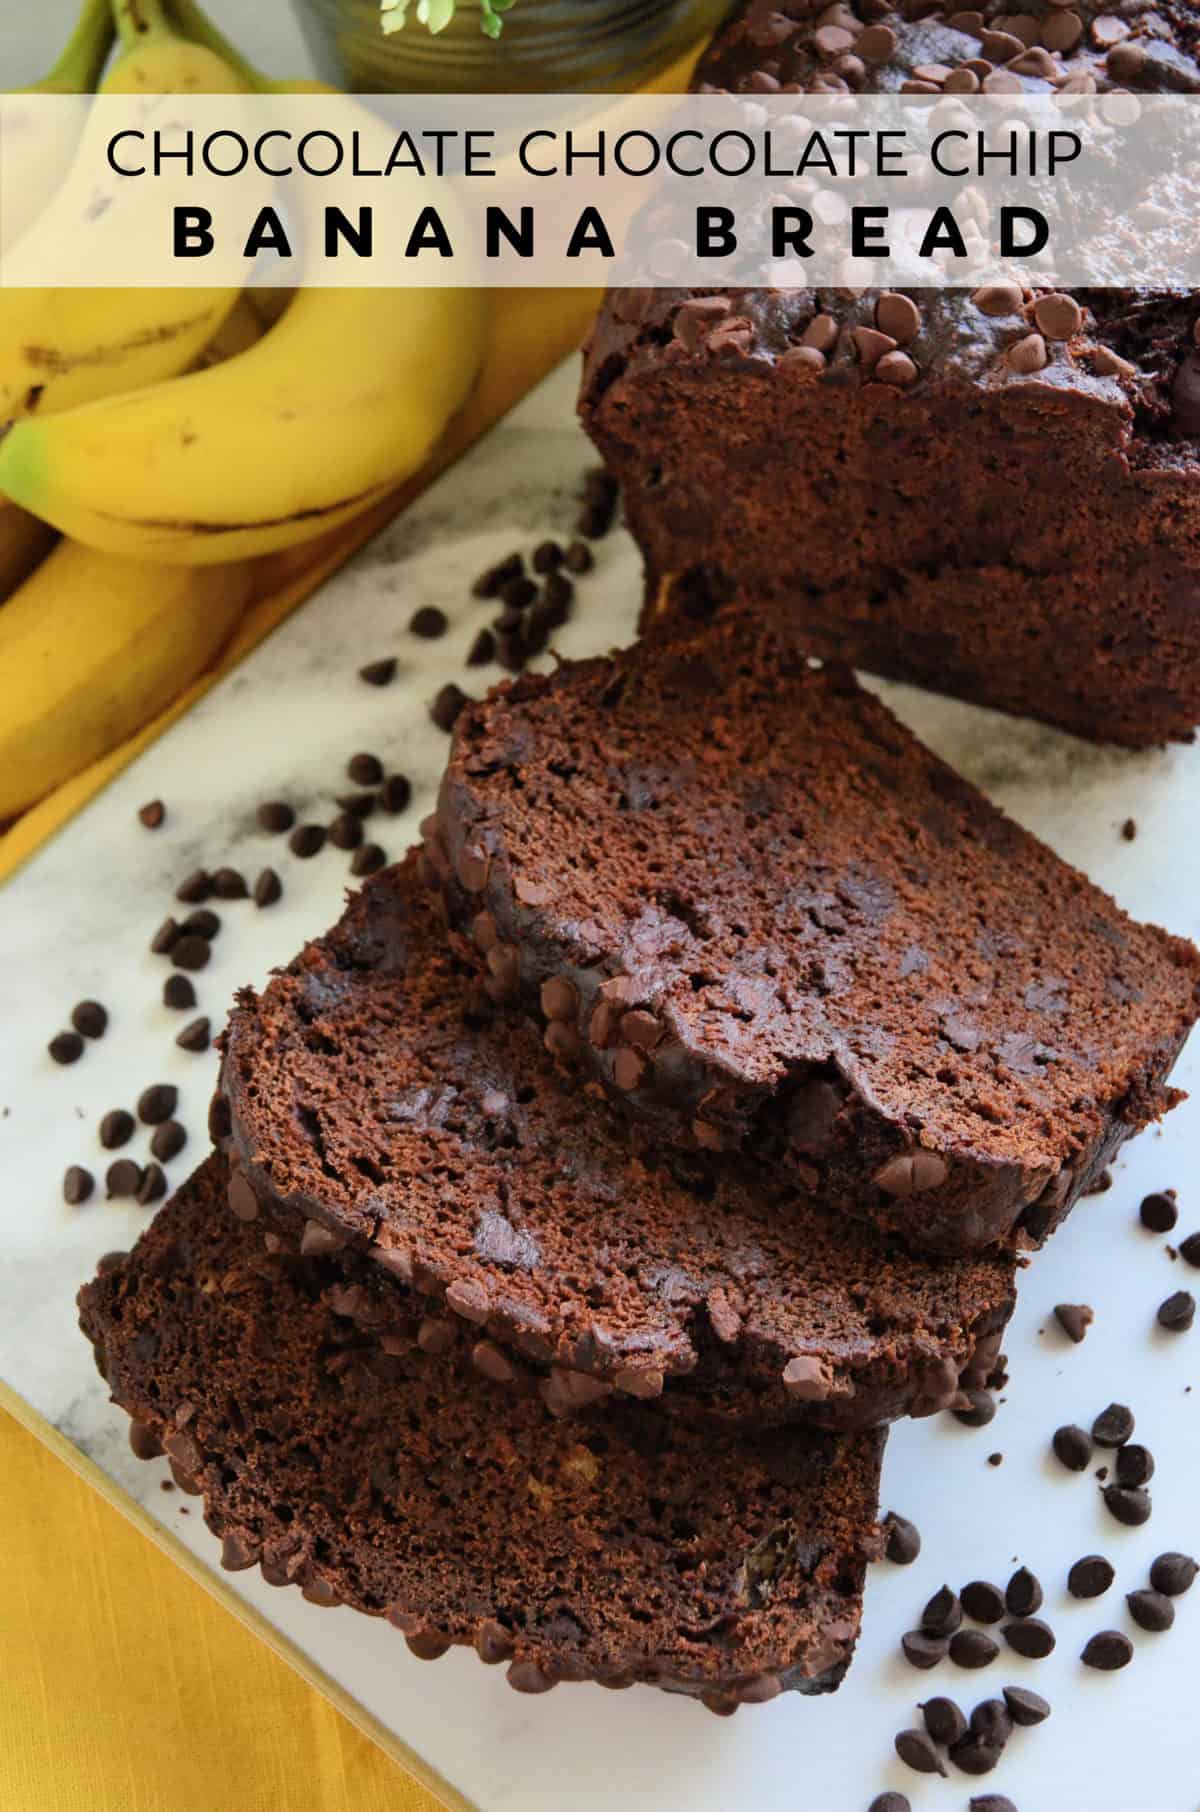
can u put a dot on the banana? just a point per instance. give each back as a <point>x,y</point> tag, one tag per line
<point>23,542</point>
<point>241,329</point>
<point>62,347</point>
<point>101,644</point>
<point>44,140</point>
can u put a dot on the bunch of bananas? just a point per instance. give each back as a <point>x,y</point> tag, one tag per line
<point>177,435</point>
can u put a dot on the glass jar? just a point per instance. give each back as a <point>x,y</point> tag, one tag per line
<point>547,46</point>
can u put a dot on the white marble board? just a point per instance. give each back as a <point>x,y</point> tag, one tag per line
<point>76,922</point>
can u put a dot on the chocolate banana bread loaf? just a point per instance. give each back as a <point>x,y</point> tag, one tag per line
<point>365,1100</point>
<point>768,920</point>
<point>994,493</point>
<point>373,1474</point>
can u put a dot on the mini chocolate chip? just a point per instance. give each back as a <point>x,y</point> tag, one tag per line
<point>579,558</point>
<point>268,888</point>
<point>1090,1577</point>
<point>66,1047</point>
<point>944,1721</point>
<point>367,859</point>
<point>116,1129</point>
<point>379,673</point>
<point>178,992</point>
<point>1108,1651</point>
<point>201,923</point>
<point>911,1173</point>
<point>1178,1312</point>
<point>448,706</point>
<point>1135,1464</point>
<point>89,1019</point>
<point>991,1723</point>
<point>1151,1610</point>
<point>992,1802</point>
<point>979,1410</point>
<point>395,794</point>
<point>195,888</point>
<point>1031,1637</point>
<point>943,1614</point>
<point>1173,1574</point>
<point>902,1539</point>
<point>360,805</point>
<point>346,831</point>
<point>917,1752</point>
<point>922,1650</point>
<point>165,938</point>
<point>1129,1505</point>
<point>153,1185</point>
<point>890,1802</point>
<point>365,769</point>
<point>482,650</point>
<point>1024,1707</point>
<point>982,1601</point>
<point>1023,1594</point>
<point>275,816</point>
<point>1113,1426</point>
<point>1159,1212</point>
<point>972,1648</point>
<point>195,1036</point>
<point>1072,1447</point>
<point>997,299</point>
<point>995,1459</point>
<point>1189,1250</point>
<point>168,1141</point>
<point>190,952</point>
<point>157,1103</point>
<point>518,594</point>
<point>1059,316</point>
<point>152,813</point>
<point>1074,1318</point>
<point>307,840</point>
<point>488,584</point>
<point>243,1203</point>
<point>78,1185</point>
<point>229,884</point>
<point>973,1756</point>
<point>1129,830</point>
<point>428,622</point>
<point>123,1178</point>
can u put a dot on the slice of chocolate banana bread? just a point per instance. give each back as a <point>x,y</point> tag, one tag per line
<point>365,1100</point>
<point>769,920</point>
<point>373,1474</point>
<point>995,492</point>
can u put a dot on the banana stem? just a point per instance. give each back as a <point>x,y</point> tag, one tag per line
<point>196,25</point>
<point>78,68</point>
<point>137,20</point>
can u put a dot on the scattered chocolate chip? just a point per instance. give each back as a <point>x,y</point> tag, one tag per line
<point>1189,1250</point>
<point>1178,1312</point>
<point>123,1178</point>
<point>982,1602</point>
<point>972,1648</point>
<point>190,952</point>
<point>1113,1426</point>
<point>1108,1651</point>
<point>359,805</point>
<point>346,831</point>
<point>201,923</point>
<point>268,888</point>
<point>917,1752</point>
<point>518,593</point>
<point>307,840</point>
<point>1023,1595</point>
<point>157,1103</point>
<point>1159,1212</point>
<point>975,1757</point>
<point>116,1129</point>
<point>1031,1637</point>
<point>448,706</point>
<point>367,860</point>
<point>379,673</point>
<point>579,558</point>
<point>1173,1574</point>
<point>395,794</point>
<point>195,1036</point>
<point>922,1650</point>
<point>152,813</point>
<point>944,1721</point>
<point>89,1019</point>
<point>992,1802</point>
<point>428,622</point>
<point>229,884</point>
<point>275,816</point>
<point>995,1459</point>
<point>66,1047</point>
<point>1151,1610</point>
<point>1129,830</point>
<point>1135,1464</point>
<point>195,888</point>
<point>1074,1318</point>
<point>488,584</point>
<point>1024,1707</point>
<point>991,1723</point>
<point>153,1185</point>
<point>178,992</point>
<point>1102,1184</point>
<point>1072,1447</point>
<point>482,650</point>
<point>78,1185</point>
<point>168,1141</point>
<point>364,769</point>
<point>978,1411</point>
<point>902,1540</point>
<point>1090,1577</point>
<point>546,556</point>
<point>165,938</point>
<point>943,1614</point>
<point>1130,1506</point>
<point>890,1802</point>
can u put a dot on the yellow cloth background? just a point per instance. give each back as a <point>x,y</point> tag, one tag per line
<point>124,1687</point>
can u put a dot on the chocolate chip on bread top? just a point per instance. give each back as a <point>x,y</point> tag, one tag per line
<point>992,492</point>
<point>749,902</point>
<point>368,1108</point>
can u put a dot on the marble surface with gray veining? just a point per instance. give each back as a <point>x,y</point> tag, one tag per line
<point>77,921</point>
